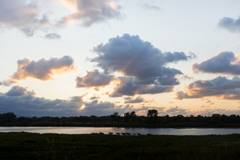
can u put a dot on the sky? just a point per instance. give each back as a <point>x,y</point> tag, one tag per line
<point>98,57</point>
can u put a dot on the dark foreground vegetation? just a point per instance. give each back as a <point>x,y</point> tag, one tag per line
<point>23,146</point>
<point>152,120</point>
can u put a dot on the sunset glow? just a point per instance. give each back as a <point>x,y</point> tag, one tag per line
<point>98,57</point>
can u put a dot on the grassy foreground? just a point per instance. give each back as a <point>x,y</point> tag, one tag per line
<point>94,146</point>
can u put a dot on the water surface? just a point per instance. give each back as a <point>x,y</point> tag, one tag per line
<point>155,131</point>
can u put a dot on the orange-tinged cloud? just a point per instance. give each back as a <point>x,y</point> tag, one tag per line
<point>42,69</point>
<point>220,87</point>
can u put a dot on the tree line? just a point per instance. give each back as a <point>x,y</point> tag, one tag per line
<point>129,119</point>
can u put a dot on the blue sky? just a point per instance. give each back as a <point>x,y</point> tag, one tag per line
<point>118,52</point>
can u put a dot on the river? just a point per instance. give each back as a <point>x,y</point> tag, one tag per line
<point>105,130</point>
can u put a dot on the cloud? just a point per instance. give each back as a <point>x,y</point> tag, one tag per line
<point>42,69</point>
<point>23,15</point>
<point>134,100</point>
<point>125,86</point>
<point>220,87</point>
<point>131,56</point>
<point>25,103</point>
<point>178,56</point>
<point>208,101</point>
<point>138,99</point>
<point>210,112</point>
<point>43,15</point>
<point>223,63</point>
<point>52,36</point>
<point>94,79</point>
<point>144,67</point>
<point>151,7</point>
<point>185,77</point>
<point>92,11</point>
<point>19,91</point>
<point>28,32</point>
<point>174,111</point>
<point>8,82</point>
<point>230,24</point>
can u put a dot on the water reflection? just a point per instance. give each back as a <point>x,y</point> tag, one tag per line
<point>154,131</point>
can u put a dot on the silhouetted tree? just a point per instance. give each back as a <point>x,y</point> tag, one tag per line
<point>133,116</point>
<point>130,116</point>
<point>7,118</point>
<point>115,117</point>
<point>127,117</point>
<point>152,115</point>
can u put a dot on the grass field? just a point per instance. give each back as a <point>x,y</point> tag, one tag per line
<point>95,146</point>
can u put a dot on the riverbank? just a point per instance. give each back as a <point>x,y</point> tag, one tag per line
<point>95,146</point>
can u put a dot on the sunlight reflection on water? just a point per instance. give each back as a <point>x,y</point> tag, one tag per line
<point>105,130</point>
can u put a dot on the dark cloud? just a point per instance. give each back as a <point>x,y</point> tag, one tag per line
<point>94,79</point>
<point>25,103</point>
<point>125,86</point>
<point>17,91</point>
<point>151,7</point>
<point>28,105</point>
<point>168,76</point>
<point>52,36</point>
<point>220,87</point>
<point>42,69</point>
<point>232,25</point>
<point>134,57</point>
<point>178,56</point>
<point>224,62</point>
<point>24,15</point>
<point>144,66</point>
<point>134,100</point>
<point>92,11</point>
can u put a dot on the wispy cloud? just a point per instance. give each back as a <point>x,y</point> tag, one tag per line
<point>52,36</point>
<point>151,7</point>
